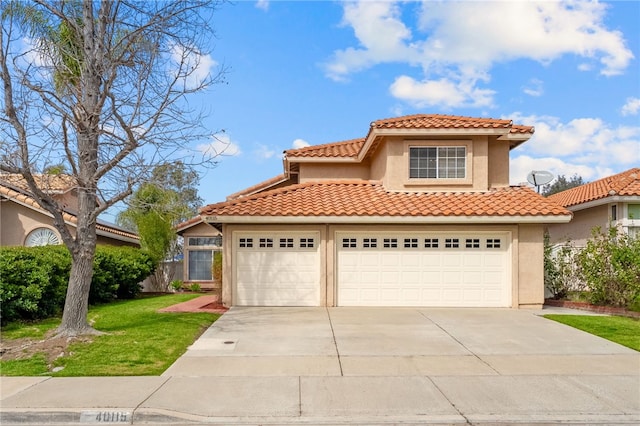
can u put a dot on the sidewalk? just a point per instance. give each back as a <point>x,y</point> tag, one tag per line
<point>305,366</point>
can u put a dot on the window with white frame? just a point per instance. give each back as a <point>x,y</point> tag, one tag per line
<point>437,162</point>
<point>200,262</point>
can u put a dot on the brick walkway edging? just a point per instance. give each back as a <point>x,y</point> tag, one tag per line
<point>584,306</point>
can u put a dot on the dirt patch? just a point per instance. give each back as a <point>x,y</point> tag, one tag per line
<point>52,346</point>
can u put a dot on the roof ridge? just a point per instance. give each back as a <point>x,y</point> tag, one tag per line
<point>506,121</point>
<point>323,145</point>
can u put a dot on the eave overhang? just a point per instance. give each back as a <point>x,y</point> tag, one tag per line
<point>604,201</point>
<point>400,220</point>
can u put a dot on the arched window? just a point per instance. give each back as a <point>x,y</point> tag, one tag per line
<point>41,237</point>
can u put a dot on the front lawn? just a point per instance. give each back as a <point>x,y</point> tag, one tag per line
<point>138,341</point>
<point>622,330</point>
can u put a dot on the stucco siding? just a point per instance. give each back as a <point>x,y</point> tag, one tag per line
<point>16,221</point>
<point>579,229</point>
<point>530,281</point>
<point>331,171</point>
<point>498,168</point>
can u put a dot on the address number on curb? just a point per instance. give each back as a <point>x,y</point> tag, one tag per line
<point>105,417</point>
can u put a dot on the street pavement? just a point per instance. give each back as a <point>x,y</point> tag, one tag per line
<point>369,366</point>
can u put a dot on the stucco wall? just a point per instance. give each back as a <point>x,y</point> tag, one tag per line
<point>16,221</point>
<point>498,163</point>
<point>530,272</point>
<point>332,171</point>
<point>579,229</point>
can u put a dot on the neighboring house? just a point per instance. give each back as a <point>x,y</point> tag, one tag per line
<point>611,201</point>
<point>417,213</point>
<point>24,223</point>
<point>202,248</point>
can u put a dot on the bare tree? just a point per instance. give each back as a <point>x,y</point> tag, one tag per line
<point>101,88</point>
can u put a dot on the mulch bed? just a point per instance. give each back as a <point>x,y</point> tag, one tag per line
<point>584,306</point>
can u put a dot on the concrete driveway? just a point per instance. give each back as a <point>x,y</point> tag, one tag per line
<point>398,342</point>
<point>367,366</point>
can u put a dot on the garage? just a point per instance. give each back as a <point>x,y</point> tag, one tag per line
<point>277,269</point>
<point>424,269</point>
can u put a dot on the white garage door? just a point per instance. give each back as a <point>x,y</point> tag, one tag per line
<point>443,269</point>
<point>277,269</point>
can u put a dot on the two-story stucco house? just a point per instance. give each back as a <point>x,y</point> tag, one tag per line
<point>419,212</point>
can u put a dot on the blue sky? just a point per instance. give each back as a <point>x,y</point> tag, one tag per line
<point>318,72</point>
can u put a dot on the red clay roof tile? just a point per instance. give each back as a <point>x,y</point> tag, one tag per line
<point>438,121</point>
<point>625,184</point>
<point>368,198</point>
<point>351,148</point>
<point>47,182</point>
<point>343,149</point>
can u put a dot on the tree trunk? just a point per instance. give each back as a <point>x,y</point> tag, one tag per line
<point>76,306</point>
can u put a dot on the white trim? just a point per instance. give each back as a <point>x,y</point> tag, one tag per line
<point>606,200</point>
<point>387,219</point>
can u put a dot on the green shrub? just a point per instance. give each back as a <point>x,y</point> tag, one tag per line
<point>561,268</point>
<point>117,273</point>
<point>176,285</point>
<point>34,280</point>
<point>195,287</point>
<point>610,267</point>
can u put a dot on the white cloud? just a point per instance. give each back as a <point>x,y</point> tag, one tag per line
<point>589,147</point>
<point>381,33</point>
<point>631,106</point>
<point>457,43</point>
<point>194,66</point>
<point>263,4</point>
<point>263,152</point>
<point>444,92</point>
<point>520,166</point>
<point>534,87</point>
<point>219,145</point>
<point>300,143</point>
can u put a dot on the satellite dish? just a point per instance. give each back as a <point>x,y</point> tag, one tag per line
<point>539,177</point>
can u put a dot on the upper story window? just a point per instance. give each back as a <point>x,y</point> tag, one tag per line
<point>437,162</point>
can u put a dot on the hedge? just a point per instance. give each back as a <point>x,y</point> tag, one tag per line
<point>33,280</point>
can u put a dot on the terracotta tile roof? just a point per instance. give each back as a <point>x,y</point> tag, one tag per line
<point>437,121</point>
<point>351,148</point>
<point>344,149</point>
<point>26,199</point>
<point>259,186</point>
<point>48,183</point>
<point>359,198</point>
<point>625,184</point>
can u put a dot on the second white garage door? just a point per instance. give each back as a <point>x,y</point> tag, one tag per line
<point>277,269</point>
<point>421,269</point>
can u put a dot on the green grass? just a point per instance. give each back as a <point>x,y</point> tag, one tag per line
<point>138,341</point>
<point>622,330</point>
